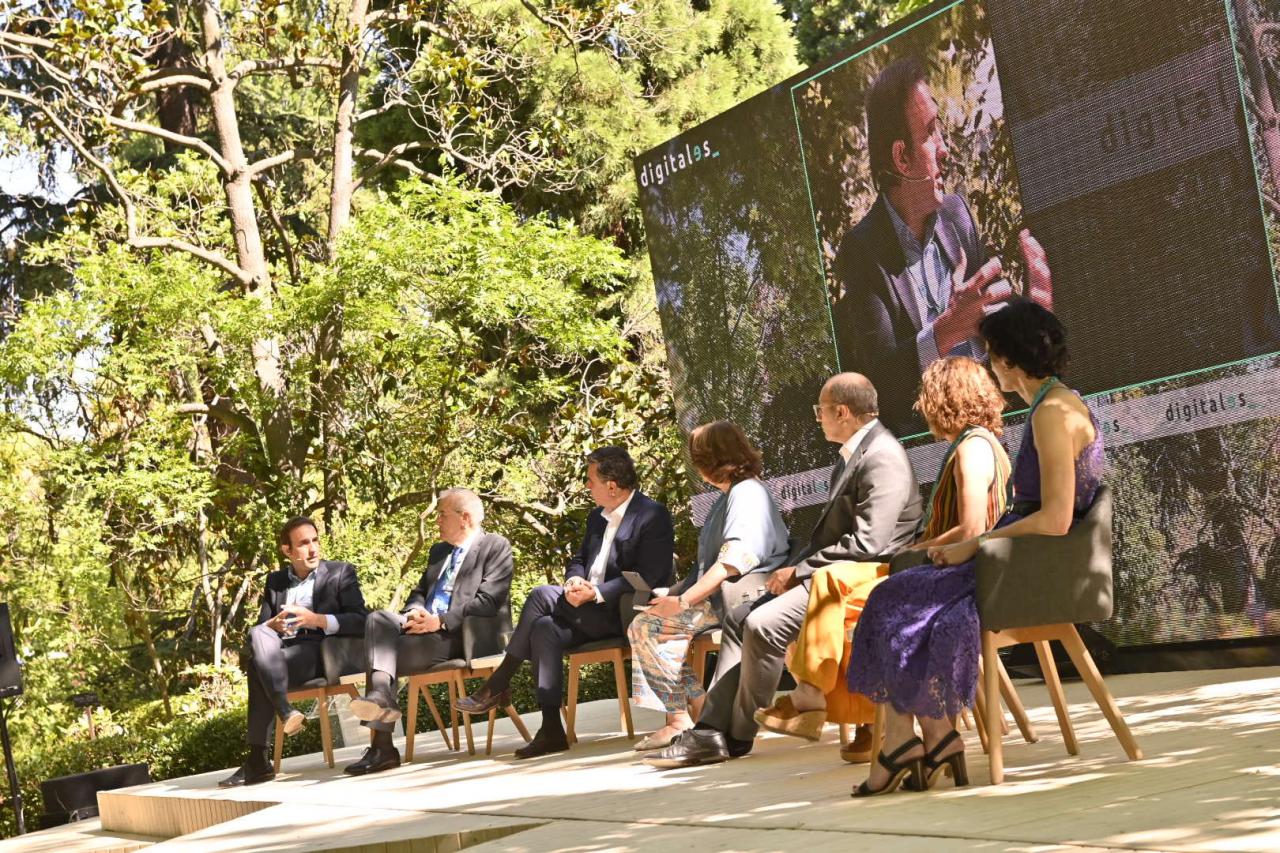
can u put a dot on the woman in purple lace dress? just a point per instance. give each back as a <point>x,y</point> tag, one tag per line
<point>916,646</point>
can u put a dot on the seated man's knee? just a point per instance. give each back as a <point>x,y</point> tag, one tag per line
<point>758,630</point>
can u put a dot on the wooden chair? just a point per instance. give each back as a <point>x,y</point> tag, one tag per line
<point>483,640</point>
<point>611,650</point>
<point>703,644</point>
<point>1073,584</point>
<point>341,656</point>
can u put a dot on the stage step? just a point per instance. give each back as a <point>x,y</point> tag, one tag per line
<point>85,836</point>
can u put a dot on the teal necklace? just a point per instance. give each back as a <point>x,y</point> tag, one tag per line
<point>1044,389</point>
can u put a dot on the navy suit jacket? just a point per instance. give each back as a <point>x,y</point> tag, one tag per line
<point>336,591</point>
<point>644,543</point>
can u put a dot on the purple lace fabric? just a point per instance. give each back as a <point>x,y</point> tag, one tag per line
<point>916,644</point>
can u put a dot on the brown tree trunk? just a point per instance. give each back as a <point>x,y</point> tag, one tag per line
<point>250,252</point>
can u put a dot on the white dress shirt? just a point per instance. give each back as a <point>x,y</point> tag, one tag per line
<point>613,519</point>
<point>301,592</point>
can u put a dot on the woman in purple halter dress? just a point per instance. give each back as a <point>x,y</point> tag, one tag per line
<point>916,646</point>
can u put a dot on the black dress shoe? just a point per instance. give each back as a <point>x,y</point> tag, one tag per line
<point>374,760</point>
<point>253,772</point>
<point>543,744</point>
<point>693,747</point>
<point>483,700</point>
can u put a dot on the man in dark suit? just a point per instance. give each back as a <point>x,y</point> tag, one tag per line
<point>301,605</point>
<point>872,510</point>
<point>627,532</point>
<point>913,273</point>
<point>468,574</point>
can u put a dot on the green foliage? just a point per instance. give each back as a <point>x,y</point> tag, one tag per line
<point>827,28</point>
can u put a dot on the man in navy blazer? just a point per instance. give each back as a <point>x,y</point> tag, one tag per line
<point>302,604</point>
<point>626,532</point>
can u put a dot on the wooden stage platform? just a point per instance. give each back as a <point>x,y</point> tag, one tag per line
<point>1210,782</point>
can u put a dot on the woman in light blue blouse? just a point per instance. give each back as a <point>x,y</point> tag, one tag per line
<point>742,534</point>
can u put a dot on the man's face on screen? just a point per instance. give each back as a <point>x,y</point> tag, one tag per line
<point>923,157</point>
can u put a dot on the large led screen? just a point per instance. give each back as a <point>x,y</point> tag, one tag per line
<point>1114,160</point>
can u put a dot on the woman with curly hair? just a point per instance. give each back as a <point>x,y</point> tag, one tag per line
<point>742,534</point>
<point>918,637</point>
<point>961,404</point>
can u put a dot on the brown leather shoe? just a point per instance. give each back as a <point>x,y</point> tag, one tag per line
<point>483,700</point>
<point>858,750</point>
<point>783,718</point>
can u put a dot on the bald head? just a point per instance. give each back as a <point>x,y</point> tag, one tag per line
<point>854,391</point>
<point>847,402</point>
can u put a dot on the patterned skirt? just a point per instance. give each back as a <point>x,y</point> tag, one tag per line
<point>661,677</point>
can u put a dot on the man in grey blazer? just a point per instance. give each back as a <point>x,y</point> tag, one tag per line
<point>872,510</point>
<point>468,574</point>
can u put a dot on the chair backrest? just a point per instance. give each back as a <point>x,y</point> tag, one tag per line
<point>1044,580</point>
<point>483,636</point>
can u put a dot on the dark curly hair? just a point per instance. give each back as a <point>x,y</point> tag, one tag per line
<point>722,452</point>
<point>1028,336</point>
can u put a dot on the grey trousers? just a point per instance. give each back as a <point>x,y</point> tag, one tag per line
<point>754,638</point>
<point>388,649</point>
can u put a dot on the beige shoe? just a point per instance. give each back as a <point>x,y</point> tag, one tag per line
<point>294,722</point>
<point>858,750</point>
<point>649,743</point>
<point>368,711</point>
<point>783,718</point>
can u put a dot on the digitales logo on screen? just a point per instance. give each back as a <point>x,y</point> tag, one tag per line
<point>656,172</point>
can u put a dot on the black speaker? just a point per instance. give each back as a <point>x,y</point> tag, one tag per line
<point>70,798</point>
<point>10,672</point>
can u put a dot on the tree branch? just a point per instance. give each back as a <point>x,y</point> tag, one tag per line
<point>176,138</point>
<point>385,160</point>
<point>268,66</point>
<point>254,169</point>
<point>130,211</point>
<point>390,158</point>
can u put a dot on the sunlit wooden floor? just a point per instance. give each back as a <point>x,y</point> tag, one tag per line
<point>1210,781</point>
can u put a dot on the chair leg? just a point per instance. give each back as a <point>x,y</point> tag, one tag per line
<point>964,718</point>
<point>991,685</point>
<point>435,715</point>
<point>980,715</point>
<point>460,690</point>
<point>1014,701</point>
<point>624,695</point>
<point>571,709</point>
<point>1049,670</point>
<point>1004,724</point>
<point>844,734</point>
<point>518,723</point>
<point>450,693</point>
<point>488,741</point>
<point>326,730</point>
<point>411,725</point>
<point>1089,672</point>
<point>279,743</point>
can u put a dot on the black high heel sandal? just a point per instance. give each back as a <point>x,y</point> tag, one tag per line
<point>912,772</point>
<point>953,764</point>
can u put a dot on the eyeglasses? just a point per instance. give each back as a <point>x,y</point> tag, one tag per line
<point>817,409</point>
